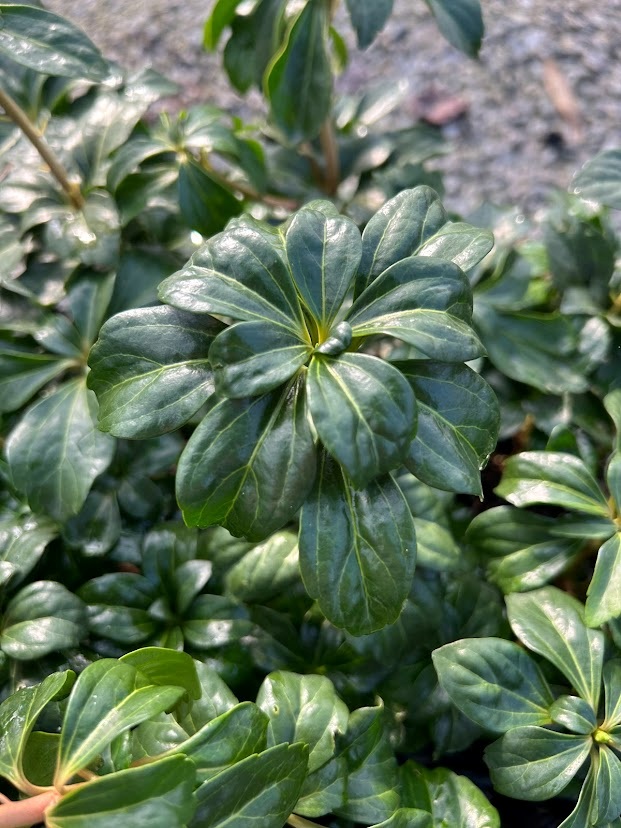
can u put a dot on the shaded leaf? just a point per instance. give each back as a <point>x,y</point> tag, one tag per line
<point>368,18</point>
<point>461,23</point>
<point>603,601</point>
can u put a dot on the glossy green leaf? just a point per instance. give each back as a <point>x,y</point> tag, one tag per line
<point>357,550</point>
<point>607,804</point>
<point>450,799</point>
<point>221,16</point>
<point>249,465</point>
<point>48,43</point>
<point>551,623</point>
<point>97,526</point>
<point>494,682</point>
<point>56,451</point>
<point>163,666</point>
<point>604,593</point>
<point>458,422</point>
<point>364,411</point>
<point>426,303</point>
<point>149,370</point>
<point>574,714</point>
<point>372,781</point>
<point>554,478</point>
<point>215,621</point>
<point>398,230</point>
<point>534,763</point>
<point>298,81</point>
<point>117,607</point>
<point>205,203</point>
<point>324,253</point>
<point>22,374</point>
<point>612,693</point>
<point>461,23</point>
<point>240,273</point>
<point>600,179</point>
<point>460,243</point>
<point>23,539</point>
<point>263,787</point>
<point>368,18</point>
<point>587,803</point>
<point>108,698</point>
<point>252,358</point>
<point>269,569</point>
<point>39,758</point>
<point>158,795</point>
<point>42,617</point>
<point>407,818</point>
<point>18,714</point>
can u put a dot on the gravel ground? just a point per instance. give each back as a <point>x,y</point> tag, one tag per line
<point>510,146</point>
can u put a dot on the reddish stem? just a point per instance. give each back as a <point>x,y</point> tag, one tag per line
<point>26,812</point>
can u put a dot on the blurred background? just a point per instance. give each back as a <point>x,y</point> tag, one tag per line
<point>543,97</point>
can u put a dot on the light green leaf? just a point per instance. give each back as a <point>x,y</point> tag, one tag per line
<point>298,81</point>
<point>216,699</point>
<point>460,243</point>
<point>494,682</point>
<point>534,763</point>
<point>108,698</point>
<point>252,358</point>
<point>269,569</point>
<point>368,18</point>
<point>613,476</point>
<point>324,253</point>
<point>249,465</point>
<point>575,714</point>
<point>162,666</point>
<point>222,15</point>
<point>461,23</point>
<point>240,273</point>
<point>407,818</point>
<point>56,451</point>
<point>600,179</point>
<point>612,693</point>
<point>48,43</point>
<point>18,714</point>
<point>425,302</point>
<point>159,795</point>
<point>554,478</point>
<point>458,421</point>
<point>149,370</point>
<point>364,412</point>
<point>604,593</point>
<point>357,550</point>
<point>551,622</point>
<point>262,788</point>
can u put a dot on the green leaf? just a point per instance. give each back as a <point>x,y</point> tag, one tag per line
<point>458,421</point>
<point>42,617</point>
<point>48,43</point>
<point>494,682</point>
<point>357,550</point>
<point>18,714</point>
<point>23,539</point>
<point>262,788</point>
<point>22,374</point>
<point>368,18</point>
<point>600,179</point>
<point>554,478</point>
<point>240,273</point>
<point>56,451</point>
<point>534,763</point>
<point>613,476</point>
<point>612,694</point>
<point>425,302</point>
<point>372,780</point>
<point>221,16</point>
<point>249,465</point>
<point>587,803</point>
<point>159,795</point>
<point>149,370</point>
<point>298,81</point>
<point>162,666</point>
<point>450,799</point>
<point>607,803</point>
<point>398,230</point>
<point>364,411</point>
<point>39,758</point>
<point>117,607</point>
<point>460,243</point>
<point>551,623</point>
<point>108,698</point>
<point>575,714</point>
<point>324,253</point>
<point>269,569</point>
<point>461,23</point>
<point>252,358</point>
<point>604,593</point>
<point>97,526</point>
<point>407,818</point>
<point>205,203</point>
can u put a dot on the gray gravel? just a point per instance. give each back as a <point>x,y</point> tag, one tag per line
<point>506,147</point>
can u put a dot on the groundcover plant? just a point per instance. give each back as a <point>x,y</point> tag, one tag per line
<point>310,490</point>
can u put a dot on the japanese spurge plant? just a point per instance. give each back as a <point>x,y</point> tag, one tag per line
<point>306,412</point>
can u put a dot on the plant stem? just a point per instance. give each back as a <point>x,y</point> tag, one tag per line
<point>26,812</point>
<point>299,822</point>
<point>20,119</point>
<point>332,172</point>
